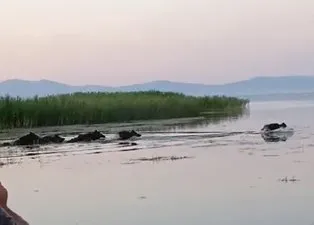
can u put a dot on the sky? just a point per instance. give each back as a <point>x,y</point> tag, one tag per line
<point>132,41</point>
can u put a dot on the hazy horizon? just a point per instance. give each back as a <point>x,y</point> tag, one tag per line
<point>148,81</point>
<point>126,42</point>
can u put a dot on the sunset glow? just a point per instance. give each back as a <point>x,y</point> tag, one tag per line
<point>123,42</point>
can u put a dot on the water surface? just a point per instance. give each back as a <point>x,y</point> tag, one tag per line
<point>232,175</point>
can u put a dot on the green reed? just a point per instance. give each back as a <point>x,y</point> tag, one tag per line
<point>100,107</point>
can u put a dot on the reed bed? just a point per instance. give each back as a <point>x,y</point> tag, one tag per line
<point>95,108</point>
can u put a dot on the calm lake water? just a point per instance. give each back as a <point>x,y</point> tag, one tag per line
<point>231,178</point>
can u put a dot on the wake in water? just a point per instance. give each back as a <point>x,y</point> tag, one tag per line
<point>148,140</point>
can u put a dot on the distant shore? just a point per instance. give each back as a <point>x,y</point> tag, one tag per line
<point>102,107</point>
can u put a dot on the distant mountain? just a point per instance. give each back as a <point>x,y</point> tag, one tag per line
<point>255,86</point>
<point>25,88</point>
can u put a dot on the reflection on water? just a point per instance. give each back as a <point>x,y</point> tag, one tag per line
<point>210,119</point>
<point>276,136</point>
<point>206,172</point>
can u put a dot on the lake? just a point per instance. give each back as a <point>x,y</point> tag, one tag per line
<point>230,175</point>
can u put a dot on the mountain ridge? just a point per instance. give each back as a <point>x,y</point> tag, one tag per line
<point>255,86</point>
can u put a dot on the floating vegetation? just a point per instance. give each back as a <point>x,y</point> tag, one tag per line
<point>142,197</point>
<point>127,143</point>
<point>162,158</point>
<point>271,155</point>
<point>128,163</point>
<point>129,149</point>
<point>286,179</point>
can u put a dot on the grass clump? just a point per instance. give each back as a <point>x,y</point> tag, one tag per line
<point>94,108</point>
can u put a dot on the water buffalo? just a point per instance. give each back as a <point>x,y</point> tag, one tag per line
<point>123,135</point>
<point>87,137</point>
<point>33,139</point>
<point>28,139</point>
<point>51,139</point>
<point>273,126</point>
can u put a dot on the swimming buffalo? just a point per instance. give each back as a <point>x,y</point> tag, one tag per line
<point>51,139</point>
<point>33,139</point>
<point>28,139</point>
<point>123,135</point>
<point>87,137</point>
<point>273,126</point>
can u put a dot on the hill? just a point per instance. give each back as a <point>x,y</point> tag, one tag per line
<point>254,86</point>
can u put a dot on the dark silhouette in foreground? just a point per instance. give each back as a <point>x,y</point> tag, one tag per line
<point>124,135</point>
<point>7,215</point>
<point>87,137</point>
<point>273,126</point>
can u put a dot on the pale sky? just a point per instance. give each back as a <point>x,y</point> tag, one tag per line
<point>117,42</point>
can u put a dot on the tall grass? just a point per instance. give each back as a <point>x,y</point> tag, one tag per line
<point>91,108</point>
